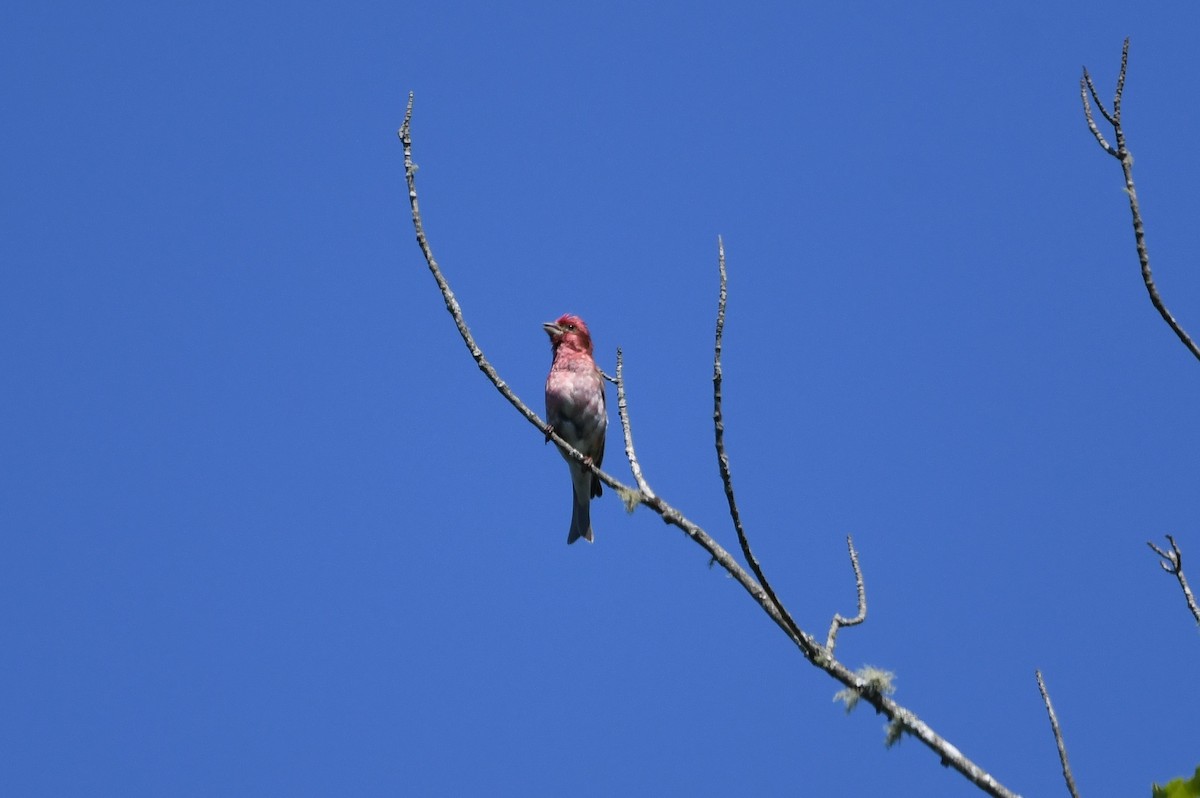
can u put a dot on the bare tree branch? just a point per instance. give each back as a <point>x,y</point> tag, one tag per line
<point>1086,85</point>
<point>1058,738</point>
<point>1172,563</point>
<point>1096,97</point>
<point>723,458</point>
<point>1115,120</point>
<point>1121,153</point>
<point>623,411</point>
<point>838,620</point>
<point>901,719</point>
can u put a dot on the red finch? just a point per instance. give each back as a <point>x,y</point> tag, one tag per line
<point>575,410</point>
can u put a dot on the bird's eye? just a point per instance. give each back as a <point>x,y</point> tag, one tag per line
<point>571,327</point>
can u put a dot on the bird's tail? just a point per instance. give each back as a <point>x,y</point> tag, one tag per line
<point>581,513</point>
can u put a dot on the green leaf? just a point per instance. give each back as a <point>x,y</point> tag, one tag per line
<point>1180,788</point>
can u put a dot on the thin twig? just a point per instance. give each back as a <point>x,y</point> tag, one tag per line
<point>838,620</point>
<point>1121,153</point>
<point>1085,85</point>
<point>899,716</point>
<point>1116,114</point>
<point>1058,738</point>
<point>1096,97</point>
<point>1172,563</point>
<point>623,410</point>
<point>723,458</point>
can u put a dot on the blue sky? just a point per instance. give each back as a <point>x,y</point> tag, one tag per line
<point>267,530</point>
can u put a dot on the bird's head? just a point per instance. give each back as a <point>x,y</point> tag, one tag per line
<point>569,331</point>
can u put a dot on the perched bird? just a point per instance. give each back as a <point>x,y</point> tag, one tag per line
<point>575,410</point>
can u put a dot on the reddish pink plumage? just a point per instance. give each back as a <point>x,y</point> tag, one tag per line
<point>575,410</point>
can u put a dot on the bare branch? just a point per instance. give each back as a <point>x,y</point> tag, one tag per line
<point>901,719</point>
<point>723,458</point>
<point>1096,97</point>
<point>1058,738</point>
<point>1172,563</point>
<point>1116,114</point>
<point>1085,85</point>
<point>838,620</point>
<point>1121,153</point>
<point>622,409</point>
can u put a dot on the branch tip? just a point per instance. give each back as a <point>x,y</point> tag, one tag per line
<point>1058,738</point>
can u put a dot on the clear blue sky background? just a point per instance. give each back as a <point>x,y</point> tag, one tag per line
<point>267,530</point>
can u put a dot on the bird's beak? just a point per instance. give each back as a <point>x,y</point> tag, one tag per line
<point>552,329</point>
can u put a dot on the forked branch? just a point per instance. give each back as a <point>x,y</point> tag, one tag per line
<point>1172,563</point>
<point>1121,152</point>
<point>901,720</point>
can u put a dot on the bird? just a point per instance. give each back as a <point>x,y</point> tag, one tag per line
<point>575,410</point>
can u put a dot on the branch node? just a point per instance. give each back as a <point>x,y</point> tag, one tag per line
<point>630,497</point>
<point>1172,563</point>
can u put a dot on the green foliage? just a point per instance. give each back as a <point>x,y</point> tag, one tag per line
<point>1180,788</point>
